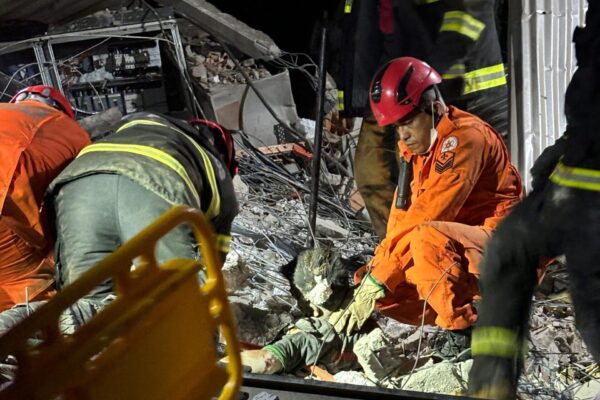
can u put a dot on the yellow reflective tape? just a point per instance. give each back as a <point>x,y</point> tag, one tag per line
<point>215,201</point>
<point>348,6</point>
<point>140,122</point>
<point>460,29</point>
<point>224,243</point>
<point>578,178</point>
<point>462,23</point>
<point>421,2</point>
<point>471,87</point>
<point>466,17</point>
<point>452,76</point>
<point>493,69</point>
<point>341,100</point>
<point>494,341</point>
<point>579,171</point>
<point>147,151</point>
<point>214,207</point>
<point>455,71</point>
<point>485,78</point>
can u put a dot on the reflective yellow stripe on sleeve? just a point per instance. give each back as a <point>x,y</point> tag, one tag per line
<point>341,100</point>
<point>224,243</point>
<point>494,341</point>
<point>462,23</point>
<point>348,6</point>
<point>147,151</point>
<point>578,178</point>
<point>214,208</point>
<point>140,122</point>
<point>455,71</point>
<point>484,78</point>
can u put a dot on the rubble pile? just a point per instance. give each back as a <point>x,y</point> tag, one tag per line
<point>211,66</point>
<point>270,230</point>
<point>558,365</point>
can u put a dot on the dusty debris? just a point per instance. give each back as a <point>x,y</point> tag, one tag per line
<point>377,356</point>
<point>100,124</point>
<point>443,378</point>
<point>330,229</point>
<point>353,378</point>
<point>234,271</point>
<point>212,66</point>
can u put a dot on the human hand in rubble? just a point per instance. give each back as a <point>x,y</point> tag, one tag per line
<point>362,306</point>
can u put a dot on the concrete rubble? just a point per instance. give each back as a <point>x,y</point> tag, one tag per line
<point>272,228</point>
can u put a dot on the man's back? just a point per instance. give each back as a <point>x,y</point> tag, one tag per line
<point>36,143</point>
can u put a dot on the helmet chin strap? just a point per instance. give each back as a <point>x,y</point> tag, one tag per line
<point>433,133</point>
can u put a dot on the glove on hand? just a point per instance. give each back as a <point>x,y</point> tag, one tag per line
<point>361,308</point>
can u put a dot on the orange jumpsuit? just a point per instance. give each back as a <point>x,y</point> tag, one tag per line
<point>460,191</point>
<point>36,143</point>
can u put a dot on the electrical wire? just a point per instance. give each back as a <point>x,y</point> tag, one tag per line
<point>418,355</point>
<point>182,69</point>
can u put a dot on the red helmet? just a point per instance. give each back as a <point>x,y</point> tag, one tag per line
<point>52,95</point>
<point>223,142</point>
<point>397,87</point>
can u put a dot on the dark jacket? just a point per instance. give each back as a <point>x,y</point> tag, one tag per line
<point>457,37</point>
<point>168,157</point>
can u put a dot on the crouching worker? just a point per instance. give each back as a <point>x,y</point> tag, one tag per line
<point>463,184</point>
<point>38,138</point>
<point>122,183</point>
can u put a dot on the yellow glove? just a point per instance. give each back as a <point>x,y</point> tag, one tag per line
<point>361,308</point>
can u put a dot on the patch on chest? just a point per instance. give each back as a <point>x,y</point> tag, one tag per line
<point>449,144</point>
<point>444,161</point>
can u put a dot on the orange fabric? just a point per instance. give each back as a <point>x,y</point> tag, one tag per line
<point>36,143</point>
<point>466,178</point>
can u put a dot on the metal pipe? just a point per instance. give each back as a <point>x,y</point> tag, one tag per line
<point>316,164</point>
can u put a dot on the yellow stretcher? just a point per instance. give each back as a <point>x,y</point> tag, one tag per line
<point>154,341</point>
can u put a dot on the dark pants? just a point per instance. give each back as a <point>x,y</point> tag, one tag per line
<point>553,221</point>
<point>376,171</point>
<point>98,213</point>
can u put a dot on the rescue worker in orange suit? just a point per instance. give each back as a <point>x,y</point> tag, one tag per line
<point>458,38</point>
<point>121,183</point>
<point>560,216</point>
<point>426,268</point>
<point>38,138</point>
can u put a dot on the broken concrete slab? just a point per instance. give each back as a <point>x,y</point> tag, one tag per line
<point>329,228</point>
<point>377,356</point>
<point>235,271</point>
<point>233,31</point>
<point>100,124</point>
<point>443,378</point>
<point>236,106</point>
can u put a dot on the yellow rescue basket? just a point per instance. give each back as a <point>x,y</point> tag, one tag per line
<point>154,341</point>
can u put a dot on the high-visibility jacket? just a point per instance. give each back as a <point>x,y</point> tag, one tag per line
<point>467,53</point>
<point>457,37</point>
<point>169,158</point>
<point>466,177</point>
<point>36,143</point>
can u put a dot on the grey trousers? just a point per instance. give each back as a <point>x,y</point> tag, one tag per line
<point>96,214</point>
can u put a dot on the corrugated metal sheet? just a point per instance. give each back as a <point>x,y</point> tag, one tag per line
<point>543,58</point>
